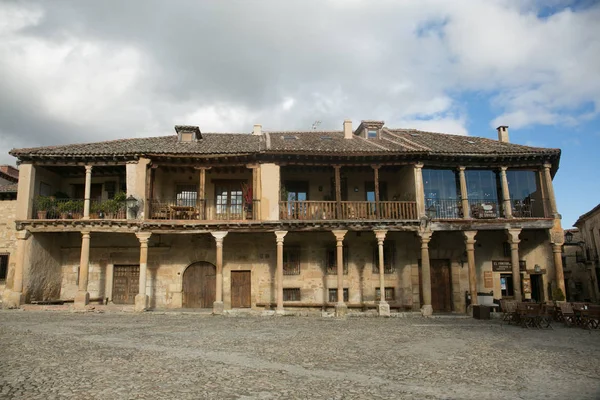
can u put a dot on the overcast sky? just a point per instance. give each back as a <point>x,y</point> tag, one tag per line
<point>80,71</point>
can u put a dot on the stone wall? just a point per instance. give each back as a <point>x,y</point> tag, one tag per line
<point>42,268</point>
<point>8,239</point>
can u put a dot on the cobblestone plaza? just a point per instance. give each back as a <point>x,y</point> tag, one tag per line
<point>61,355</point>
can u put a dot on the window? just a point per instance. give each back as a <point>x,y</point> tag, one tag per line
<point>370,191</point>
<point>186,195</point>
<point>3,266</point>
<point>45,189</point>
<point>506,285</point>
<point>333,295</point>
<point>482,185</point>
<point>389,253</point>
<point>331,259</point>
<point>291,260</point>
<point>389,294</point>
<point>372,134</point>
<point>291,294</point>
<point>295,191</point>
<point>229,198</point>
<point>442,193</point>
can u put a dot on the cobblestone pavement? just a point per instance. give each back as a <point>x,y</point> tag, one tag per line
<point>62,355</point>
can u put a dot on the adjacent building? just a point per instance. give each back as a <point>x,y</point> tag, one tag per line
<point>364,217</point>
<point>9,177</point>
<point>587,238</point>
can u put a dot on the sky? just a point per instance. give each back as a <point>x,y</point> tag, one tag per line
<point>85,71</point>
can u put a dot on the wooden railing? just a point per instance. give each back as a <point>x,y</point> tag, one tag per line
<point>204,210</point>
<point>347,210</point>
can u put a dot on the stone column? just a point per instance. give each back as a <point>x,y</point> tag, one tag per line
<point>464,197</point>
<point>550,191</point>
<point>218,306</point>
<point>15,296</point>
<point>420,190</point>
<point>82,298</point>
<point>383,307</point>
<point>88,192</point>
<point>505,193</point>
<point>340,308</point>
<point>141,299</point>
<point>513,240</point>
<point>279,235</point>
<point>558,267</point>
<point>426,308</point>
<point>470,245</point>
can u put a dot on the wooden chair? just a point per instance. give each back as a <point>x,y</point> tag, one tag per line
<point>509,311</point>
<point>529,315</point>
<point>546,316</point>
<point>567,314</point>
<point>591,317</point>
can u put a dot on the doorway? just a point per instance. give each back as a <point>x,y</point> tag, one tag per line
<point>441,285</point>
<point>126,284</point>
<point>240,289</point>
<point>199,285</point>
<point>537,288</point>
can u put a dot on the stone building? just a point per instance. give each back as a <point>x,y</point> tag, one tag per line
<point>587,237</point>
<point>370,217</point>
<point>8,201</point>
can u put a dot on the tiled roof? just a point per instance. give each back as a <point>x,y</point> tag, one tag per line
<point>9,188</point>
<point>392,141</point>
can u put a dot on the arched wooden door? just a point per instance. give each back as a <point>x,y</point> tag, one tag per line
<point>199,283</point>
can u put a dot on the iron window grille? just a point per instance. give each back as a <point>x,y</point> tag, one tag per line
<point>333,295</point>
<point>390,294</point>
<point>291,294</point>
<point>389,255</point>
<point>291,260</point>
<point>331,259</point>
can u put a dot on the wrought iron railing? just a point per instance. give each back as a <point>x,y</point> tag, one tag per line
<point>525,209</point>
<point>347,210</point>
<point>443,208</point>
<point>204,210</point>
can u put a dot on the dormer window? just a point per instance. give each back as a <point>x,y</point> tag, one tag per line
<point>187,134</point>
<point>369,129</point>
<point>372,134</point>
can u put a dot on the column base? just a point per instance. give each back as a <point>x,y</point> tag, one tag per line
<point>82,299</point>
<point>427,310</point>
<point>383,309</point>
<point>12,299</point>
<point>141,303</point>
<point>341,309</point>
<point>218,308</point>
<point>280,311</point>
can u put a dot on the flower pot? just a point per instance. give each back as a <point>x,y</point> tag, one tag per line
<point>42,214</point>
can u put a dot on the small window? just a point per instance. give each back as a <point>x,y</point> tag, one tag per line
<point>470,141</point>
<point>291,294</point>
<point>390,294</point>
<point>389,253</point>
<point>291,260</point>
<point>331,260</point>
<point>3,266</point>
<point>333,295</point>
<point>289,137</point>
<point>372,134</point>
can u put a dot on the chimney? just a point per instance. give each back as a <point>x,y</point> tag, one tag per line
<point>503,133</point>
<point>347,129</point>
<point>257,129</point>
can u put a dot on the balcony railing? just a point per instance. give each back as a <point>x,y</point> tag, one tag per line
<point>525,209</point>
<point>52,208</point>
<point>484,208</point>
<point>443,208</point>
<point>348,210</point>
<point>204,210</point>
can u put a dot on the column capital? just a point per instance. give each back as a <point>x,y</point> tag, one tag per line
<point>513,235</point>
<point>88,169</point>
<point>380,234</point>
<point>219,236</point>
<point>375,166</point>
<point>85,234</point>
<point>419,165</point>
<point>556,248</point>
<point>143,237</point>
<point>339,234</point>
<point>461,168</point>
<point>197,167</point>
<point>23,235</point>
<point>425,236</point>
<point>470,236</point>
<point>279,235</point>
<point>546,165</point>
<point>251,166</point>
<point>503,169</point>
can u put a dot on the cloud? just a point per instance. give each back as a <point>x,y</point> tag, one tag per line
<point>87,71</point>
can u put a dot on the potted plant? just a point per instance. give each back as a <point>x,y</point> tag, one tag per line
<point>96,210</point>
<point>557,294</point>
<point>64,208</point>
<point>43,204</point>
<point>115,207</point>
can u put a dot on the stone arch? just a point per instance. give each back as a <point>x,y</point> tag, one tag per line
<point>198,285</point>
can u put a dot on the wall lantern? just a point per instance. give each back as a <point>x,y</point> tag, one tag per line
<point>537,268</point>
<point>431,212</point>
<point>569,236</point>
<point>356,188</point>
<point>132,204</point>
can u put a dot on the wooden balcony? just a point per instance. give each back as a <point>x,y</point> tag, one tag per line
<point>203,210</point>
<point>347,210</point>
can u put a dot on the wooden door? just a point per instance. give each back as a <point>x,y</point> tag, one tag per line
<point>240,289</point>
<point>126,283</point>
<point>441,285</point>
<point>199,284</point>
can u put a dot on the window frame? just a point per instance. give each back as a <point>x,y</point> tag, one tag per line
<point>331,260</point>
<point>4,266</point>
<point>387,289</point>
<point>389,257</point>
<point>332,294</point>
<point>289,293</point>
<point>295,252</point>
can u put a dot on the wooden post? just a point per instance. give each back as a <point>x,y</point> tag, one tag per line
<point>376,184</point>
<point>149,188</point>
<point>338,191</point>
<point>201,197</point>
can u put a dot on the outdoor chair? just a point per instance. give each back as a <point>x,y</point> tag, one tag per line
<point>509,311</point>
<point>546,316</point>
<point>590,317</point>
<point>529,315</point>
<point>566,313</point>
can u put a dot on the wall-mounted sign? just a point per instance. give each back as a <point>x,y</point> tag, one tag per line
<point>488,279</point>
<point>506,266</point>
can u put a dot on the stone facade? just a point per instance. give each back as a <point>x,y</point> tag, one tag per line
<point>8,239</point>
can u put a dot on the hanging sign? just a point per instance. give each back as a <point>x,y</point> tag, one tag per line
<point>506,266</point>
<point>488,279</point>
